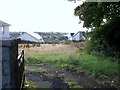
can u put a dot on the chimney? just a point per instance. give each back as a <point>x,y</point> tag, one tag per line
<point>71,34</point>
<point>5,32</point>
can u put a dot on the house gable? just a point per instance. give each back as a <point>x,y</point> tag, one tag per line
<point>79,36</point>
<point>28,37</point>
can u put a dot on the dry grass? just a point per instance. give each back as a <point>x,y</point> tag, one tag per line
<point>50,49</point>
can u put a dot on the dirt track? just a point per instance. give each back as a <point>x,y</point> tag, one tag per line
<point>59,81</point>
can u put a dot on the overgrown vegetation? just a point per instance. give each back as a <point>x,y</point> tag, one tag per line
<point>79,61</point>
<point>93,64</point>
<point>103,18</point>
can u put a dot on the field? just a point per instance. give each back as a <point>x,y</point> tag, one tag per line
<point>50,49</point>
<point>72,58</point>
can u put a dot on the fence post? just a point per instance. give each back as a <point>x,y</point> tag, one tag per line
<point>21,75</point>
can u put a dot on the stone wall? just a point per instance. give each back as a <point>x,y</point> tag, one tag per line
<point>9,62</point>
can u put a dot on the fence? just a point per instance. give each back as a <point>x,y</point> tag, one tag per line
<point>21,74</point>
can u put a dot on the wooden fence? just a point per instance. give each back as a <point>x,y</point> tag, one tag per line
<point>21,74</point>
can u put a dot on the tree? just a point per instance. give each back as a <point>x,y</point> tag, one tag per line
<point>104,19</point>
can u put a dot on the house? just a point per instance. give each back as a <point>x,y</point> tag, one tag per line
<point>4,30</point>
<point>80,36</point>
<point>30,36</point>
<point>26,36</point>
<point>69,36</point>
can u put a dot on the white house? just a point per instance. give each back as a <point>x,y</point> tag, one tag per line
<point>30,36</point>
<point>4,30</point>
<point>79,36</point>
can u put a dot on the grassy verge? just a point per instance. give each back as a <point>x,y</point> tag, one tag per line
<point>99,65</point>
<point>94,65</point>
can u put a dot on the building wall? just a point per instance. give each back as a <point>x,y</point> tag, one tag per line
<point>27,37</point>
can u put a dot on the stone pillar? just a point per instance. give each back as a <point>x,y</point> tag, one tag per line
<point>9,63</point>
<point>5,32</point>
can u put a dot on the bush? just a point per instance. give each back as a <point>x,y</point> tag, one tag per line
<point>105,39</point>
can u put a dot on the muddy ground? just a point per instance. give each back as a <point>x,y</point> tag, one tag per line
<point>62,79</point>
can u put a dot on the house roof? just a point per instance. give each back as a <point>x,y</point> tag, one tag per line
<point>14,35</point>
<point>78,32</point>
<point>83,34</point>
<point>4,24</point>
<point>35,35</point>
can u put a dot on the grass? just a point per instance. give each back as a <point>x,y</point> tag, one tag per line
<point>44,58</point>
<point>99,65</point>
<point>68,57</point>
<point>39,70</point>
<point>92,64</point>
<point>30,84</point>
<point>72,82</point>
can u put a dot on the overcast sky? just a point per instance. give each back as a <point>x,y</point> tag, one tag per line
<point>40,15</point>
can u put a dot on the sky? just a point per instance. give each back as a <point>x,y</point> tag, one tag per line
<point>40,15</point>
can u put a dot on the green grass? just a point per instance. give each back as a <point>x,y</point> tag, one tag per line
<point>43,59</point>
<point>72,82</point>
<point>99,65</point>
<point>94,65</point>
<point>39,70</point>
<point>30,84</point>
